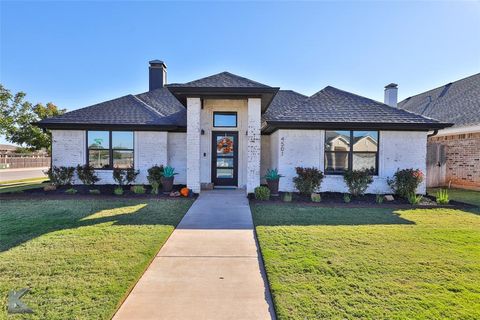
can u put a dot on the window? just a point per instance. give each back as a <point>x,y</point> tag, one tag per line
<point>351,149</point>
<point>224,119</point>
<point>110,149</point>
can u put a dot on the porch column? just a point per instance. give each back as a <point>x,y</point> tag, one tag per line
<point>254,144</point>
<point>193,144</point>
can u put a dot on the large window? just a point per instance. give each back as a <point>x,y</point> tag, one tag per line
<point>224,119</point>
<point>356,150</point>
<point>110,149</point>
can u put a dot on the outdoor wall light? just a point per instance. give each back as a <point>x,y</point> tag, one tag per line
<point>202,132</point>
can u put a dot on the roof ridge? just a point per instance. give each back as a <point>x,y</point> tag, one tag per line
<point>148,106</point>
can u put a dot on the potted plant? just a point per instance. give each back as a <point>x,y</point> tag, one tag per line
<point>273,178</point>
<point>167,179</point>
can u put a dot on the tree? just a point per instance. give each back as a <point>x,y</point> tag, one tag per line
<point>17,115</point>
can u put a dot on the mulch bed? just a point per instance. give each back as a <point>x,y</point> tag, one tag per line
<point>335,199</point>
<point>83,192</point>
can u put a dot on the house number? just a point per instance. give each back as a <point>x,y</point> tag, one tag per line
<point>282,145</point>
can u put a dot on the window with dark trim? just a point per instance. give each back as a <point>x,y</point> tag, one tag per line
<point>225,119</point>
<point>110,149</point>
<point>347,149</point>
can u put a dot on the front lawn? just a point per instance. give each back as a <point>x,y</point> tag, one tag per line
<point>467,196</point>
<point>349,263</point>
<point>80,257</point>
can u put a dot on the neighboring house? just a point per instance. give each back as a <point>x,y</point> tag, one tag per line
<point>453,153</point>
<point>228,130</point>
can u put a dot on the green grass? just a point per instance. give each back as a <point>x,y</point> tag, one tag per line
<point>467,196</point>
<point>79,257</point>
<point>26,180</point>
<point>325,263</point>
<point>22,184</point>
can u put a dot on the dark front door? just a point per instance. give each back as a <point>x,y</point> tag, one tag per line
<point>225,158</point>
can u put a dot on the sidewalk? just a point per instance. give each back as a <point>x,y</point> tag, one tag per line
<point>22,173</point>
<point>208,269</point>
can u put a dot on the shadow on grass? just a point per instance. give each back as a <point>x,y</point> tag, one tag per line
<point>292,215</point>
<point>21,221</point>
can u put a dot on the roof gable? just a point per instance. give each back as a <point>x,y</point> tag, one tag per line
<point>222,80</point>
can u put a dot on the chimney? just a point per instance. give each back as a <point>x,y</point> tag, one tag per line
<point>157,74</point>
<point>391,93</point>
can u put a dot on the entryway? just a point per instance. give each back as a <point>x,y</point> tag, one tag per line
<point>225,158</point>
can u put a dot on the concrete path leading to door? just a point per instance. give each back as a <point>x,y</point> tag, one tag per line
<point>210,267</point>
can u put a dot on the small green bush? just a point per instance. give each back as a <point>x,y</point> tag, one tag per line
<point>414,198</point>
<point>125,176</point>
<point>155,187</point>
<point>442,196</point>
<point>71,191</point>
<point>308,180</point>
<point>287,197</point>
<point>87,174</point>
<point>405,182</point>
<point>94,191</point>
<point>316,197</point>
<point>61,176</point>
<point>358,181</point>
<point>347,198</point>
<point>138,189</point>
<point>379,198</point>
<point>118,191</point>
<point>262,193</point>
<point>154,177</point>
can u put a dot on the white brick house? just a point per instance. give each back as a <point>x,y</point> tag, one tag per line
<point>227,130</point>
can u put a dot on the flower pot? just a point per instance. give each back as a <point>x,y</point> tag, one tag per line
<point>273,186</point>
<point>167,184</point>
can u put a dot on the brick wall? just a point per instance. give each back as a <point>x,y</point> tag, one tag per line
<point>462,158</point>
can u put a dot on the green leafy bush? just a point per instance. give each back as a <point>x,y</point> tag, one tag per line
<point>308,180</point>
<point>86,174</point>
<point>61,176</point>
<point>442,196</point>
<point>347,198</point>
<point>118,191</point>
<point>379,198</point>
<point>262,193</point>
<point>125,176</point>
<point>138,189</point>
<point>94,191</point>
<point>155,187</point>
<point>405,182</point>
<point>272,174</point>
<point>357,181</point>
<point>71,191</point>
<point>169,172</point>
<point>154,177</point>
<point>316,197</point>
<point>414,198</point>
<point>287,197</point>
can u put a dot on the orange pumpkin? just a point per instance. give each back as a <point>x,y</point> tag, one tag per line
<point>184,192</point>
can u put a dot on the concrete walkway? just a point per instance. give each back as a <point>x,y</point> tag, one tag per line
<point>208,269</point>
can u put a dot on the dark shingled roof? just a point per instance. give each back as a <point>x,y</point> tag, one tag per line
<point>336,106</point>
<point>457,102</point>
<point>281,103</point>
<point>221,80</point>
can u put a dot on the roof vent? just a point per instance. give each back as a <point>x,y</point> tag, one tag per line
<point>391,94</point>
<point>157,74</point>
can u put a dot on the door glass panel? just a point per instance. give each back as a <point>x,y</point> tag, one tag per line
<point>224,162</point>
<point>225,145</point>
<point>224,173</point>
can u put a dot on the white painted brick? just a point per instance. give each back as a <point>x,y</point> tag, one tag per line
<point>193,145</point>
<point>265,157</point>
<point>177,155</point>
<point>253,144</point>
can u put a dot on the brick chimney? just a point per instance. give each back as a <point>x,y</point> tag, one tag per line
<point>157,74</point>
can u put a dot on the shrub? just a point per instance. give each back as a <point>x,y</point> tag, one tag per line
<point>262,193</point>
<point>131,175</point>
<point>308,180</point>
<point>414,199</point>
<point>379,198</point>
<point>272,174</point>
<point>357,181</point>
<point>169,172</point>
<point>405,182</point>
<point>87,175</point>
<point>154,176</point>
<point>118,191</point>
<point>347,198</point>
<point>155,187</point>
<point>94,191</point>
<point>71,191</point>
<point>442,196</point>
<point>316,197</point>
<point>138,189</point>
<point>61,176</point>
<point>287,197</point>
<point>125,176</point>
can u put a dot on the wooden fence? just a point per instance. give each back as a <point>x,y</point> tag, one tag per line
<point>13,161</point>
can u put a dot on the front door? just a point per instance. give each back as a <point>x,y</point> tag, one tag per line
<point>225,158</point>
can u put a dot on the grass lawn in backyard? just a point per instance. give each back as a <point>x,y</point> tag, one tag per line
<point>467,196</point>
<point>371,263</point>
<point>80,257</point>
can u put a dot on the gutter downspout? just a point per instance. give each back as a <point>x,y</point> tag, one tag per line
<point>435,132</point>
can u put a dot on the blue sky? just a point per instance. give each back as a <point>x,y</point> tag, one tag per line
<point>79,53</point>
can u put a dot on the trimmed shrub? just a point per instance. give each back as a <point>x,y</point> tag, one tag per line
<point>405,182</point>
<point>308,180</point>
<point>154,177</point>
<point>131,175</point>
<point>316,197</point>
<point>87,175</point>
<point>287,197</point>
<point>138,189</point>
<point>61,176</point>
<point>71,191</point>
<point>379,198</point>
<point>262,193</point>
<point>118,191</point>
<point>94,191</point>
<point>357,181</point>
<point>414,199</point>
<point>347,198</point>
<point>442,196</point>
<point>125,176</point>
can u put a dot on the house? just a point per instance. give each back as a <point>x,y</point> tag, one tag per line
<point>228,130</point>
<point>453,153</point>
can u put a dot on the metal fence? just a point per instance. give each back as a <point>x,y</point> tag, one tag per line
<point>13,161</point>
